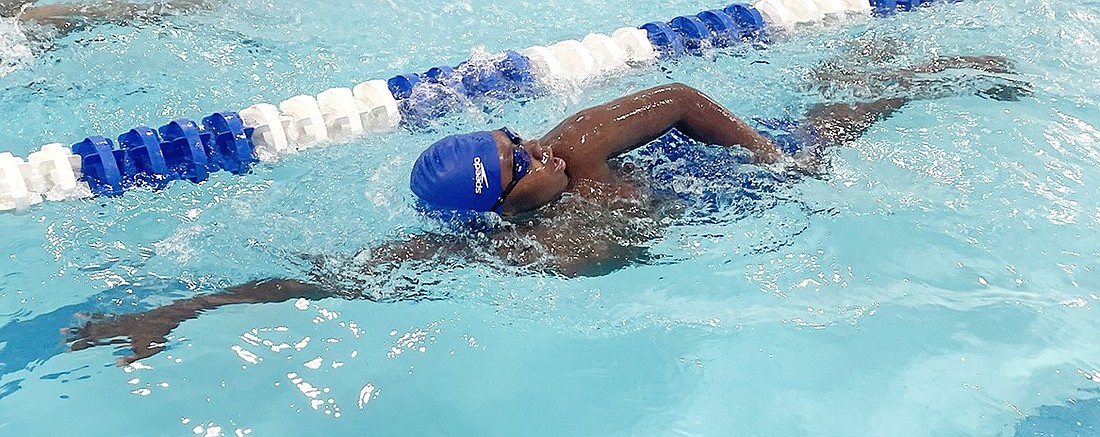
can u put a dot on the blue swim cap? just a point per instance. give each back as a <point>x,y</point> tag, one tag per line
<point>459,172</point>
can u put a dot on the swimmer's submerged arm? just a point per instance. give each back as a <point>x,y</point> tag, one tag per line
<point>598,133</point>
<point>147,331</point>
<point>600,261</point>
<point>68,16</point>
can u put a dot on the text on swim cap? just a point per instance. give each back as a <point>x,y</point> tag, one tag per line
<point>481,181</point>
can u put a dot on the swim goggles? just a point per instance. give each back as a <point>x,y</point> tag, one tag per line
<point>521,165</point>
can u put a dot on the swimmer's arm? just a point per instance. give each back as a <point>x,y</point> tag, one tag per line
<point>628,122</point>
<point>68,16</point>
<point>147,331</point>
<point>837,123</point>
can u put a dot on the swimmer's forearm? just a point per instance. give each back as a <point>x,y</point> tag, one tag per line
<point>148,331</point>
<point>706,121</point>
<point>266,291</point>
<point>631,121</point>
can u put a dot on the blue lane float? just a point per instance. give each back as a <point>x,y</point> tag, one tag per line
<point>147,162</point>
<point>181,149</point>
<point>234,141</point>
<point>666,39</point>
<point>420,100</point>
<point>722,26</point>
<point>101,165</point>
<point>749,21</point>
<point>184,151</point>
<point>228,141</point>
<point>473,79</point>
<point>401,85</point>
<point>693,29</point>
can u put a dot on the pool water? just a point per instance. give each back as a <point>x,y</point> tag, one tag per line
<point>940,279</point>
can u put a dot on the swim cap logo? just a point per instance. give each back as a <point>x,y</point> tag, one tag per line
<point>481,181</point>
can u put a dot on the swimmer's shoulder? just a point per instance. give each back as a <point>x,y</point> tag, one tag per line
<point>584,160</point>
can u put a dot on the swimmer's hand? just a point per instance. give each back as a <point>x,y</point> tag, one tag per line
<point>146,333</point>
<point>807,164</point>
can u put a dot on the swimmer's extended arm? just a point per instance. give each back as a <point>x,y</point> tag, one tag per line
<point>588,138</point>
<point>147,332</point>
<point>68,16</point>
<point>838,123</point>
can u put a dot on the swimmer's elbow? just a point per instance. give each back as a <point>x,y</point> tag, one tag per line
<point>684,90</point>
<point>680,86</point>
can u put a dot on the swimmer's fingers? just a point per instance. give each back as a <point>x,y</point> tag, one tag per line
<point>143,348</point>
<point>73,331</point>
<point>315,261</point>
<point>101,330</point>
<point>811,166</point>
<point>69,333</point>
<point>82,344</point>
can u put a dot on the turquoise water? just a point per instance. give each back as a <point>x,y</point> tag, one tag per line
<point>941,280</point>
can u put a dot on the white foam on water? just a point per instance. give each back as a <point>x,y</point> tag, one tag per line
<point>15,47</point>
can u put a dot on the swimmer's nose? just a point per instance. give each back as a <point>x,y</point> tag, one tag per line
<point>540,153</point>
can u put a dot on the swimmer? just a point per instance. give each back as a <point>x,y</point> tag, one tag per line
<point>568,207</point>
<point>66,17</point>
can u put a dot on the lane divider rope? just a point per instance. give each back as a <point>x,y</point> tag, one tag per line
<point>233,141</point>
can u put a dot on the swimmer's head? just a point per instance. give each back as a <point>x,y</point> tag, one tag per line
<point>459,172</point>
<point>464,172</point>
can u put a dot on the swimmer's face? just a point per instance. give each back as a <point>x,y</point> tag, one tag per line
<point>543,183</point>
